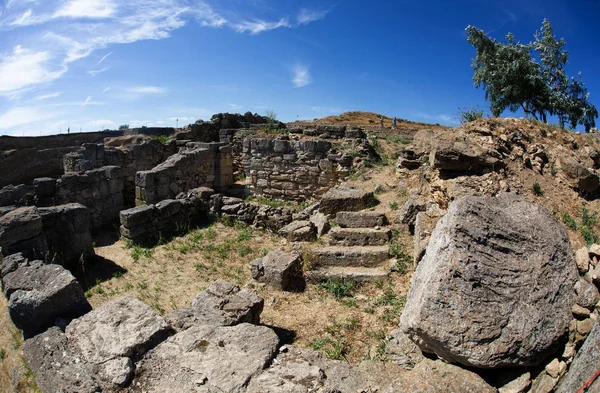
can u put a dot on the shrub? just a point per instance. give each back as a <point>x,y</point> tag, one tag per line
<point>537,189</point>
<point>467,115</point>
<point>339,288</point>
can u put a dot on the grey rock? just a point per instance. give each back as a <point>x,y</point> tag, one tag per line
<point>346,199</point>
<point>359,236</point>
<point>360,219</point>
<point>56,366</point>
<point>297,370</point>
<point>438,377</point>
<point>584,366</point>
<point>582,178</point>
<point>299,231</point>
<point>39,294</point>
<point>498,275</point>
<point>221,304</point>
<point>10,263</point>
<point>408,212</point>
<point>587,294</point>
<point>280,270</point>
<point>580,312</point>
<point>582,259</point>
<point>117,371</point>
<point>321,223</point>
<point>424,226</point>
<point>401,350</point>
<point>123,327</point>
<point>67,231</point>
<point>543,384</point>
<point>21,231</point>
<point>349,256</point>
<point>208,359</point>
<point>517,385</point>
<point>137,215</point>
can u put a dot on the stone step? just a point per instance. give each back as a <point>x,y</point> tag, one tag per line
<point>360,219</point>
<point>357,274</point>
<point>359,236</point>
<point>349,256</point>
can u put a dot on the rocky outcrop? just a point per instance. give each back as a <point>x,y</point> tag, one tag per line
<point>498,275</point>
<point>38,294</point>
<point>221,304</point>
<point>280,270</point>
<point>208,359</point>
<point>299,231</point>
<point>431,376</point>
<point>584,366</point>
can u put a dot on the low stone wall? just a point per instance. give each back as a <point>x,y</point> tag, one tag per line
<point>146,224</point>
<point>59,233</point>
<point>54,141</point>
<point>295,170</point>
<point>100,190</point>
<point>196,165</point>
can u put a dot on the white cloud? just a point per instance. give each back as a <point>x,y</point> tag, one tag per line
<point>24,68</point>
<point>22,116</point>
<point>87,101</point>
<point>106,89</point>
<point>87,9</point>
<point>104,58</point>
<point>47,96</point>
<point>306,16</point>
<point>235,107</point>
<point>448,119</point>
<point>301,76</point>
<point>93,73</point>
<point>258,26</point>
<point>146,90</point>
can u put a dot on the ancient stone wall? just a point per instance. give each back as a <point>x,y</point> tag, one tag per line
<point>100,190</point>
<point>289,169</point>
<point>196,165</point>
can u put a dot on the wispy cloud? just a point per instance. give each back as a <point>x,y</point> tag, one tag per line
<point>87,101</point>
<point>104,58</point>
<point>306,16</point>
<point>301,76</point>
<point>106,89</point>
<point>47,96</point>
<point>21,116</point>
<point>87,9</point>
<point>24,68</point>
<point>258,26</point>
<point>93,73</point>
<point>146,90</point>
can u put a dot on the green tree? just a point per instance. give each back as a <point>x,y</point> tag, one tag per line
<point>513,78</point>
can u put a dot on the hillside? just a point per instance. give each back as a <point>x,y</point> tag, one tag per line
<point>365,119</point>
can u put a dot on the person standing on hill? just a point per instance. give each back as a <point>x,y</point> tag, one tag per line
<point>394,123</point>
<point>381,122</point>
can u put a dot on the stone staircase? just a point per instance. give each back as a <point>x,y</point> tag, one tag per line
<point>358,249</point>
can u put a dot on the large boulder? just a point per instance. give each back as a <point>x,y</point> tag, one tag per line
<point>21,231</point>
<point>280,270</point>
<point>57,367</point>
<point>299,231</point>
<point>221,304</point>
<point>38,294</point>
<point>345,198</point>
<point>67,231</point>
<point>208,359</point>
<point>585,365</point>
<point>582,178</point>
<point>495,287</point>
<point>123,327</point>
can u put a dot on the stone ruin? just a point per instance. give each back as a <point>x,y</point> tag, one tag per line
<point>541,315</point>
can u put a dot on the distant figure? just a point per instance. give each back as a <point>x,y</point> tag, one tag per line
<point>394,123</point>
<point>69,130</point>
<point>381,122</point>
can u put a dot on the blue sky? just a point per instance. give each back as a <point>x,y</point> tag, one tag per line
<point>87,64</point>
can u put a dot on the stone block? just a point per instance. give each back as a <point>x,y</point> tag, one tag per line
<point>280,270</point>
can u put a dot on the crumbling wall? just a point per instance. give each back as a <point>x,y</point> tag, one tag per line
<point>100,190</point>
<point>290,169</point>
<point>196,165</point>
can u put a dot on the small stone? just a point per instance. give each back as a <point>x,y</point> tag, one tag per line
<point>580,312</point>
<point>585,327</point>
<point>587,294</point>
<point>518,385</point>
<point>595,250</point>
<point>553,368</point>
<point>569,351</point>
<point>583,260</point>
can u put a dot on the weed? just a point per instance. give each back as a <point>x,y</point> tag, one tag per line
<point>568,221</point>
<point>244,249</point>
<point>589,236</point>
<point>394,205</point>
<point>99,290</point>
<point>333,349</point>
<point>211,234</point>
<point>351,323</point>
<point>2,354</point>
<point>339,288</point>
<point>139,251</point>
<point>537,189</point>
<point>467,115</point>
<point>142,285</point>
<point>403,258</point>
<point>128,285</point>
<point>588,222</point>
<point>162,138</point>
<point>117,274</point>
<point>244,234</point>
<point>94,244</point>
<point>349,302</point>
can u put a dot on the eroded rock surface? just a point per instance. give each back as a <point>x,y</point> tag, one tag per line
<point>495,287</point>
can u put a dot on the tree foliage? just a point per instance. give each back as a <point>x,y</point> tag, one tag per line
<point>513,77</point>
